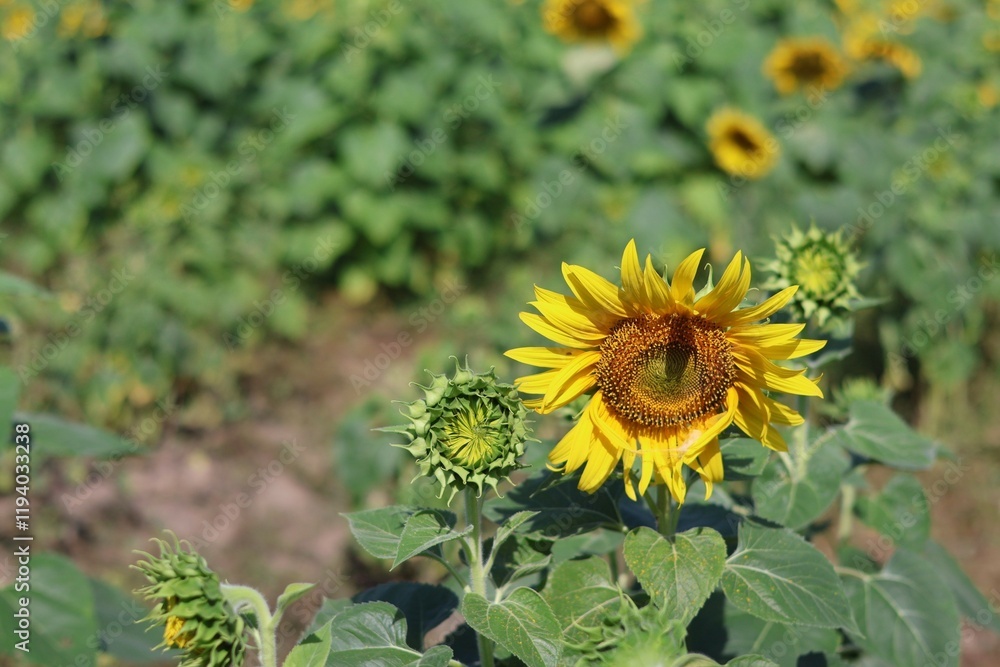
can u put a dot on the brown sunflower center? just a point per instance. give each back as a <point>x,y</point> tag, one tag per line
<point>809,66</point>
<point>665,370</point>
<point>744,141</point>
<point>592,17</point>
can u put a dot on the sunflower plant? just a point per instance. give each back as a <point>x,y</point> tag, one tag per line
<point>676,520</point>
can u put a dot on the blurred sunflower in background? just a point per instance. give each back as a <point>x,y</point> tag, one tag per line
<point>741,145</point>
<point>609,21</point>
<point>864,38</point>
<point>670,370</point>
<point>803,63</point>
<point>18,23</point>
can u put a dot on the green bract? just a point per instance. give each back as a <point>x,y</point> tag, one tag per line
<point>468,430</point>
<point>196,617</point>
<point>824,268</point>
<point>629,636</point>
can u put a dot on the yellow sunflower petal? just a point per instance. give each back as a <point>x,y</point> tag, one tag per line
<point>657,290</point>
<point>553,333</point>
<point>708,465</point>
<point>537,383</point>
<point>760,311</point>
<point>714,426</point>
<point>595,292</point>
<point>572,451</point>
<point>765,334</point>
<point>781,413</point>
<point>570,321</point>
<point>728,292</point>
<point>601,462</point>
<point>632,279</point>
<point>793,349</point>
<point>543,357</point>
<point>571,381</point>
<point>682,284</point>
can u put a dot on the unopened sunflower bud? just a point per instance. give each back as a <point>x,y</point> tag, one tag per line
<point>467,431</point>
<point>824,268</point>
<point>196,617</point>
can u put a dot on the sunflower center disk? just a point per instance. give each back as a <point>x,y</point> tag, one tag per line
<point>809,67</point>
<point>665,370</point>
<point>592,17</point>
<point>469,438</point>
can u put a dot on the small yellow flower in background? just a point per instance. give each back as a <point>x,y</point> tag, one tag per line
<point>241,5</point>
<point>991,41</point>
<point>988,94</point>
<point>18,23</point>
<point>865,41</point>
<point>303,10</point>
<point>741,145</point>
<point>669,370</point>
<point>88,19</point>
<point>610,21</point>
<point>804,63</point>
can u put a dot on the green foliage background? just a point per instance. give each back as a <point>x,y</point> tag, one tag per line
<point>216,172</point>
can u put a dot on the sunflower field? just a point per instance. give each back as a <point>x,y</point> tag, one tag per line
<point>484,333</point>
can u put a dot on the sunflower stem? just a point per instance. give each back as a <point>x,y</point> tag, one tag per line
<point>667,512</point>
<point>244,596</point>
<point>477,571</point>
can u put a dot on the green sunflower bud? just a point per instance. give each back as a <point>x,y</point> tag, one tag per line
<point>852,390</point>
<point>630,636</point>
<point>196,617</point>
<point>467,431</point>
<point>824,268</point>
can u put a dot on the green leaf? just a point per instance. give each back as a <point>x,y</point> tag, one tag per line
<point>425,606</point>
<point>875,431</point>
<point>679,575</point>
<point>524,624</point>
<point>10,390</point>
<point>423,530</point>
<point>777,576</point>
<point>796,496</point>
<point>62,614</point>
<point>578,592</point>
<point>743,458</point>
<point>751,661</point>
<point>510,526</point>
<point>906,613</point>
<point>379,530</point>
<point>898,511</point>
<point>326,611</point>
<point>562,509</point>
<point>292,593</point>
<point>971,603</point>
<point>312,650</point>
<point>121,630</point>
<point>11,284</point>
<point>774,641</point>
<point>374,633</point>
<point>520,557</point>
<point>52,436</point>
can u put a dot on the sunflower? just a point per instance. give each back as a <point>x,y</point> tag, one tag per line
<point>805,62</point>
<point>669,371</point>
<point>741,145</point>
<point>611,21</point>
<point>18,23</point>
<point>864,41</point>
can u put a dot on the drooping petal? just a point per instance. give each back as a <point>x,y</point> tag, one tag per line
<point>793,349</point>
<point>571,381</point>
<point>708,465</point>
<point>570,322</point>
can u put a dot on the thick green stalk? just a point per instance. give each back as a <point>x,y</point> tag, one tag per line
<point>244,596</point>
<point>667,513</point>
<point>477,572</point>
